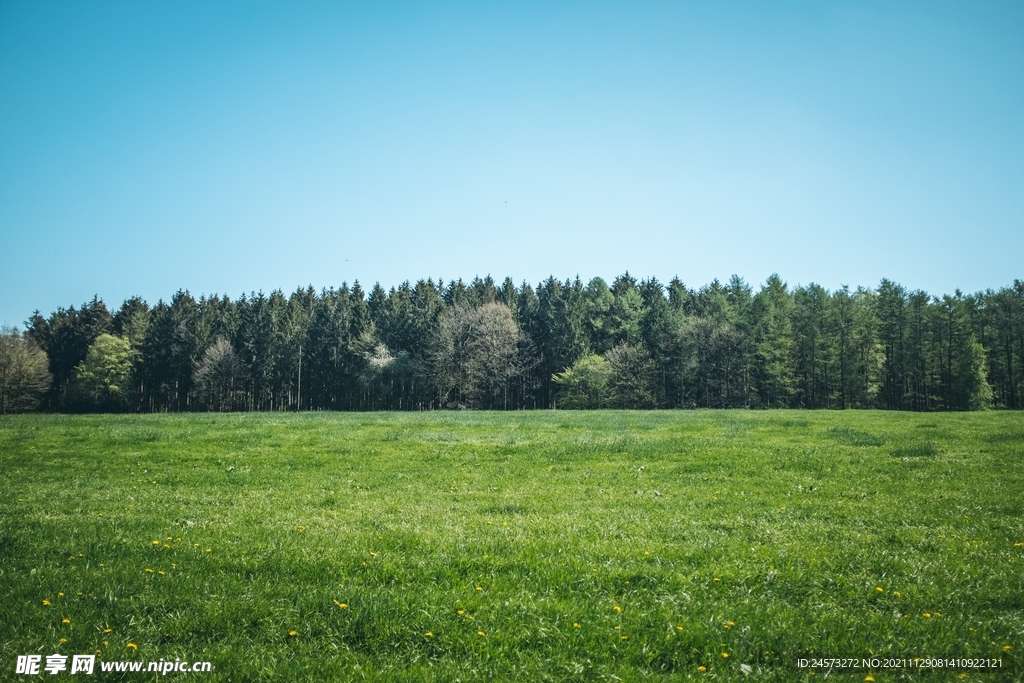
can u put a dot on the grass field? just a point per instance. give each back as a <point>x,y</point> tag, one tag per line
<point>514,546</point>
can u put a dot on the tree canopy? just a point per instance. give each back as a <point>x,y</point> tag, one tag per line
<point>562,343</point>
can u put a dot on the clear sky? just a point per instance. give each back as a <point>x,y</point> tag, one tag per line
<point>227,147</point>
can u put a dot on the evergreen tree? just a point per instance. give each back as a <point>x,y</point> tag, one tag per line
<point>890,309</point>
<point>65,337</point>
<point>772,313</point>
<point>627,311</point>
<point>962,379</point>
<point>599,299</point>
<point>657,335</point>
<point>558,331</point>
<point>814,349</point>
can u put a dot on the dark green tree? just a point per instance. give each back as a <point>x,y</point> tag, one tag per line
<point>772,313</point>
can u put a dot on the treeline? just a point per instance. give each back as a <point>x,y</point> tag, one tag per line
<point>630,344</point>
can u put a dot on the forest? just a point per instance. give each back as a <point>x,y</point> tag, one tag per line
<point>562,344</point>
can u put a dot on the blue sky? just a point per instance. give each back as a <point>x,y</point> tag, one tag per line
<point>236,146</point>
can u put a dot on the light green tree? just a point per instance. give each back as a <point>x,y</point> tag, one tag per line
<point>584,385</point>
<point>103,375</point>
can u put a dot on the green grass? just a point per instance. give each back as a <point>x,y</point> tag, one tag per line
<point>670,538</point>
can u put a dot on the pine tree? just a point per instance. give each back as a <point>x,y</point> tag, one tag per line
<point>772,313</point>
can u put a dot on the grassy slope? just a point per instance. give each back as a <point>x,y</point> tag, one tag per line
<point>761,535</point>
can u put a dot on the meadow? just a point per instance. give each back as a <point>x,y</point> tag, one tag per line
<point>525,546</point>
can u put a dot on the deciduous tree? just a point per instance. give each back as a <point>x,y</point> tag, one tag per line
<point>24,372</point>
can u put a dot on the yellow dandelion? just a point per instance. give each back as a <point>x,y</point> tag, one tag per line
<point>679,628</point>
<point>148,570</point>
<point>869,678</point>
<point>373,554</point>
<point>879,589</point>
<point>725,655</point>
<point>617,608</point>
<point>927,615</point>
<point>460,612</point>
<point>156,542</point>
<point>896,593</point>
<point>46,603</point>
<point>108,630</point>
<point>160,573</point>
<point>80,593</point>
<point>208,550</point>
<point>479,588</point>
<point>170,538</point>
<point>63,640</point>
<point>131,646</point>
<point>1006,648</point>
<point>428,634</point>
<point>195,545</point>
<point>481,634</point>
<point>102,564</point>
<point>716,579</point>
<point>625,638</point>
<point>99,651</point>
<point>702,669</point>
<point>166,546</point>
<point>343,605</point>
<point>61,594</point>
<point>292,634</point>
<point>178,538</point>
<point>65,621</point>
<point>101,514</point>
<point>1018,545</point>
<point>617,628</point>
<point>575,624</point>
<point>469,617</point>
